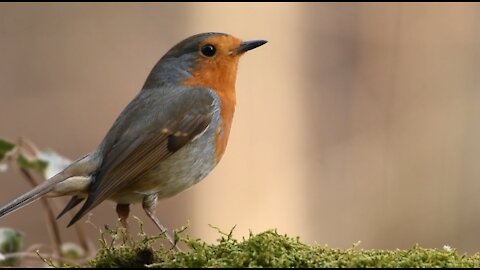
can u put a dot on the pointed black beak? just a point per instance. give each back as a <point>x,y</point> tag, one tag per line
<point>249,45</point>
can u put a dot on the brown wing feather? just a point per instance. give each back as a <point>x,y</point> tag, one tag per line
<point>146,153</point>
<point>128,160</point>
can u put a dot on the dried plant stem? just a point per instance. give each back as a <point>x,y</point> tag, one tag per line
<point>86,245</point>
<point>24,142</point>
<point>34,247</point>
<point>27,145</point>
<point>33,255</point>
<point>55,232</point>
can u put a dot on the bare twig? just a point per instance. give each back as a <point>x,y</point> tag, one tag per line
<point>55,232</point>
<point>86,245</point>
<point>29,146</point>
<point>35,247</point>
<point>33,255</point>
<point>24,141</point>
<point>29,149</point>
<point>57,240</point>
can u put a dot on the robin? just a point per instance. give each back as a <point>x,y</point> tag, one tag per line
<point>168,138</point>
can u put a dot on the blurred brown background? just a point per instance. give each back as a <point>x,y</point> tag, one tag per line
<point>355,122</point>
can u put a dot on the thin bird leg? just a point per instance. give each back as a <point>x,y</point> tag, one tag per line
<point>149,204</point>
<point>122,211</point>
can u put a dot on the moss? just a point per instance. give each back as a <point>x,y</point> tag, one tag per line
<point>271,249</point>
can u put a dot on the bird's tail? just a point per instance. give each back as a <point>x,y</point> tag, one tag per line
<point>80,166</point>
<point>33,195</point>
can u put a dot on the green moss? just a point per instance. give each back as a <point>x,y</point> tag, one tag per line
<point>270,249</point>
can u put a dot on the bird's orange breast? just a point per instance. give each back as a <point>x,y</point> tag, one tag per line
<point>221,78</point>
<point>227,109</point>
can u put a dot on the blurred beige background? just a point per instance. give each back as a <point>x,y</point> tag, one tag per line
<point>355,122</point>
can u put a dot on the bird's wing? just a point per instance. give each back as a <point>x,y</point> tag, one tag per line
<point>152,127</point>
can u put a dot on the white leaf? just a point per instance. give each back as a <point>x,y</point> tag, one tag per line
<point>10,240</point>
<point>56,162</point>
<point>72,251</point>
<point>3,167</point>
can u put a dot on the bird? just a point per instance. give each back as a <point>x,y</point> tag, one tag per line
<point>169,137</point>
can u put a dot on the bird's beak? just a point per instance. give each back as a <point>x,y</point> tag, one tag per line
<point>248,45</point>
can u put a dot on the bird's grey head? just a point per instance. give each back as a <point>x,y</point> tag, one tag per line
<point>177,64</point>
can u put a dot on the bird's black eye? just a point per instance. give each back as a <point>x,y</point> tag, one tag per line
<point>208,50</point>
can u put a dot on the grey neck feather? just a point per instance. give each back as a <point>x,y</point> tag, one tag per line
<point>170,70</point>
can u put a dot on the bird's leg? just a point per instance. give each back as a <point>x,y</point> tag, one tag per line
<point>122,211</point>
<point>149,204</point>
